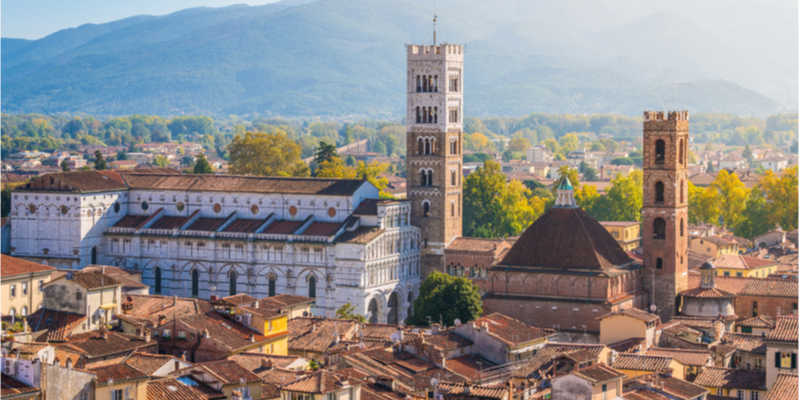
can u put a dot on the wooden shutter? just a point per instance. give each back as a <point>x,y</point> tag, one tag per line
<point>777,359</point>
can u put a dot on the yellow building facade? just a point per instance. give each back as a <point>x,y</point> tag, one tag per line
<point>269,323</point>
<point>626,233</point>
<point>21,285</point>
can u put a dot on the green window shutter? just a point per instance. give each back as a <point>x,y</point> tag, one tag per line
<point>747,329</point>
<point>777,359</point>
<point>794,360</point>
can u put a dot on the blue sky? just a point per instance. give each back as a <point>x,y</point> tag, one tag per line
<point>34,19</point>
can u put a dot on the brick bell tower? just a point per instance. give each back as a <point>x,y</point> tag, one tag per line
<point>665,208</point>
<point>433,155</point>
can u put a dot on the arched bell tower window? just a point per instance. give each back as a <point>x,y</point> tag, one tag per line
<point>421,143</point>
<point>659,192</point>
<point>423,178</point>
<point>425,84</point>
<point>435,115</point>
<point>452,209</point>
<point>272,279</point>
<point>659,228</point>
<point>195,283</point>
<point>157,288</point>
<point>453,178</point>
<point>427,146</point>
<point>419,116</point>
<point>232,284</point>
<point>659,263</point>
<point>419,85</point>
<point>436,83</point>
<point>426,209</point>
<point>312,287</point>
<point>681,153</point>
<point>683,189</point>
<point>660,151</point>
<point>681,227</point>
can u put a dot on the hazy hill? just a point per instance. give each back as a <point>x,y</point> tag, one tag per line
<point>346,58</point>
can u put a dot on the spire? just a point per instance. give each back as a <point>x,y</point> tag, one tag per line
<point>707,275</point>
<point>566,194</point>
<point>434,24</point>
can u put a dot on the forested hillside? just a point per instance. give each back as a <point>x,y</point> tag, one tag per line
<point>345,58</point>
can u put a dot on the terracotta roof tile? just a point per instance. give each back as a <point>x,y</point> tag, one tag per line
<point>12,387</point>
<point>484,391</point>
<point>59,324</point>
<point>599,374</point>
<point>730,378</point>
<point>477,244</point>
<point>255,361</point>
<point>640,362</point>
<point>282,227</point>
<point>240,183</point>
<point>236,300</point>
<point>77,181</point>
<point>228,372</point>
<point>206,224</point>
<point>183,388</point>
<point>545,356</point>
<point>244,225</point>
<point>752,286</point>
<point>702,323</point>
<point>510,330</point>
<point>363,234</point>
<point>146,309</point>
<point>273,379</point>
<point>166,222</point>
<point>745,342</point>
<point>644,394</point>
<point>321,229</point>
<point>761,321</point>
<point>380,331</point>
<point>446,340</point>
<point>11,266</point>
<point>27,347</point>
<point>785,330</point>
<point>92,279</point>
<point>634,313</point>
<point>148,363</point>
<point>671,387</point>
<point>317,334</point>
<point>225,333</point>
<point>566,237</point>
<point>695,358</point>
<point>284,300</point>
<point>112,374</point>
<point>92,345</point>
<point>468,366</point>
<point>707,293</point>
<point>370,206</point>
<point>133,221</point>
<point>632,345</point>
<point>784,387</point>
<point>321,382</point>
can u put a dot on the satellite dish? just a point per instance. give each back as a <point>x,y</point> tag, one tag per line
<point>362,346</point>
<point>305,313</point>
<point>653,307</point>
<point>434,382</point>
<point>394,337</point>
<point>361,334</point>
<point>457,322</point>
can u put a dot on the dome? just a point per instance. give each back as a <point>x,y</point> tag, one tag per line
<point>566,238</point>
<point>707,265</point>
<point>565,184</point>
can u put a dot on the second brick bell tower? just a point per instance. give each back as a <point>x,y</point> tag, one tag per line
<point>433,139</point>
<point>665,209</point>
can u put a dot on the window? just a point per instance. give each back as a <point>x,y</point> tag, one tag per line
<point>681,227</point>
<point>426,209</point>
<point>157,288</point>
<point>117,394</point>
<point>683,189</point>
<point>726,273</point>
<point>785,360</point>
<point>659,263</point>
<point>758,363</point>
<point>195,283</point>
<point>659,228</point>
<point>24,288</point>
<point>41,286</point>
<point>740,394</point>
<point>272,284</point>
<point>453,209</point>
<point>659,192</point>
<point>660,151</point>
<point>605,389</point>
<point>453,178</point>
<point>739,274</point>
<point>24,311</point>
<point>755,308</point>
<point>181,334</point>
<point>753,395</point>
<point>245,391</point>
<point>680,152</point>
<point>83,395</point>
<point>232,283</point>
<point>419,85</point>
<point>78,296</point>
<point>419,120</point>
<point>13,291</point>
<point>312,287</point>
<point>165,334</point>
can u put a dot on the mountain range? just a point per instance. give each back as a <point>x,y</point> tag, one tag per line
<point>345,59</point>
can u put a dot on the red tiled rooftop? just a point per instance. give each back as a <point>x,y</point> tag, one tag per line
<point>132,221</point>
<point>174,389</point>
<point>206,224</point>
<point>784,387</point>
<point>282,227</point>
<point>11,266</point>
<point>321,229</point>
<point>244,225</point>
<point>111,374</point>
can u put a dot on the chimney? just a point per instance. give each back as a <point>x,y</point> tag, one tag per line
<point>236,395</point>
<point>485,327</point>
<point>103,269</point>
<point>183,356</point>
<point>252,338</point>
<point>174,300</point>
<point>206,334</point>
<point>103,332</point>
<point>434,329</point>
<point>147,336</point>
<point>467,387</point>
<point>313,327</point>
<point>266,364</point>
<point>255,305</point>
<point>162,319</point>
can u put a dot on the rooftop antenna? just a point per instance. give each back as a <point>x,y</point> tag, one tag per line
<point>434,24</point>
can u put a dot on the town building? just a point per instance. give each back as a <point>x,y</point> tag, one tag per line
<point>22,285</point>
<point>626,233</point>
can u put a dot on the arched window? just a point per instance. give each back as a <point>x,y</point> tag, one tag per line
<point>232,283</point>
<point>452,209</point>
<point>421,144</point>
<point>755,308</point>
<point>272,280</point>
<point>24,311</point>
<point>419,85</point>
<point>660,149</point>
<point>435,115</point>
<point>69,364</point>
<point>157,289</point>
<point>683,188</point>
<point>659,228</point>
<point>419,115</point>
<point>681,227</point>
<point>373,311</point>
<point>94,255</point>
<point>453,178</point>
<point>659,192</point>
<point>195,283</point>
<point>680,152</point>
<point>312,287</point>
<point>427,146</point>
<point>425,84</point>
<point>13,312</point>
<point>430,83</point>
<point>426,209</point>
<point>436,83</point>
<point>659,263</point>
<point>392,317</point>
<point>430,178</point>
<point>410,305</point>
<point>423,178</point>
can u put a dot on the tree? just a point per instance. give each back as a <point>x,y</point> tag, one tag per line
<point>443,298</point>
<point>732,196</point>
<point>346,312</point>
<point>188,161</point>
<point>748,154</point>
<point>378,147</point>
<point>335,168</point>
<point>371,172</point>
<point>99,162</point>
<point>703,205</point>
<point>519,144</point>
<point>780,192</point>
<point>350,161</point>
<point>755,218</point>
<point>202,166</point>
<point>590,175</point>
<point>266,154</point>
<point>122,155</point>
<point>622,161</point>
<point>710,167</point>
<point>568,143</point>
<point>325,152</point>
<point>623,201</point>
<point>64,166</point>
<point>565,171</point>
<point>160,161</point>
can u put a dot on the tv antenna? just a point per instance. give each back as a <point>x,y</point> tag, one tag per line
<point>434,24</point>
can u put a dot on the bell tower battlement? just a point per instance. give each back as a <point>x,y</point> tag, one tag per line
<point>434,120</point>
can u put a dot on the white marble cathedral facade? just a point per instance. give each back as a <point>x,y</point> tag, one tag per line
<point>204,236</point>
